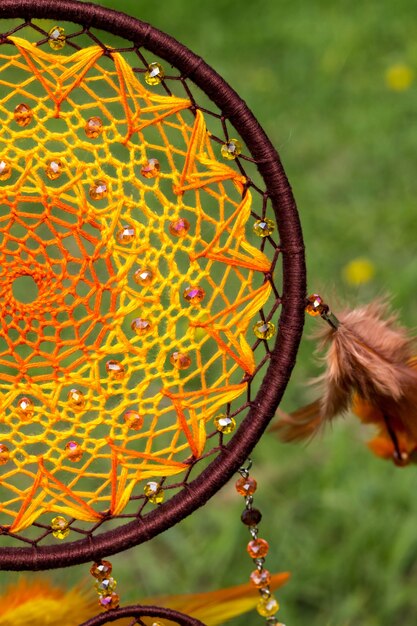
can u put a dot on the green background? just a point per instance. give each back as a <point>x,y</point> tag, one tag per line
<point>342,521</point>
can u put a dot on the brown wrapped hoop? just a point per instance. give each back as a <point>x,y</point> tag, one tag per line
<point>143,611</point>
<point>282,357</point>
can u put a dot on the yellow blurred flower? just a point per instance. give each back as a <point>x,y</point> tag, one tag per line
<point>399,77</point>
<point>359,271</point>
<point>38,603</point>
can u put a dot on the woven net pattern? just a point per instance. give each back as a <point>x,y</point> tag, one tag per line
<point>143,278</point>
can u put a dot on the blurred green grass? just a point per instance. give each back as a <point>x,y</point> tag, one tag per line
<point>341,521</point>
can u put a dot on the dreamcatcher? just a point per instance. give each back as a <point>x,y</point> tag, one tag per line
<point>153,288</point>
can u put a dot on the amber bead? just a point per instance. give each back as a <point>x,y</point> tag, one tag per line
<point>315,305</point>
<point>225,424</point>
<point>231,149</point>
<point>154,74</point>
<point>141,326</point>
<point>180,227</point>
<point>133,419</point>
<point>143,277</point>
<point>154,492</point>
<point>115,369</point>
<point>264,330</point>
<point>25,408</point>
<point>5,170</point>
<point>23,115</point>
<point>110,601</point>
<point>93,127</point>
<point>98,190</point>
<point>246,486</point>
<point>101,570</point>
<point>194,295</point>
<point>151,169</point>
<point>76,399</point>
<point>4,454</point>
<point>260,578</point>
<point>56,38</point>
<point>54,169</point>
<point>257,548</point>
<point>267,607</point>
<point>126,235</point>
<point>251,517</point>
<point>74,451</point>
<point>60,527</point>
<point>180,360</point>
<point>263,228</point>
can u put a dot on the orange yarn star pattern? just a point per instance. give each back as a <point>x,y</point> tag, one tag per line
<point>130,331</point>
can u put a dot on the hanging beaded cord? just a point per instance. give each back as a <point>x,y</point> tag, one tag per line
<point>257,548</point>
<point>134,232</point>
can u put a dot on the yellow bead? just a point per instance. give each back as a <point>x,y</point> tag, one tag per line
<point>155,74</point>
<point>110,601</point>
<point>267,607</point>
<point>5,170</point>
<point>76,400</point>
<point>115,369</point>
<point>23,115</point>
<point>264,330</point>
<point>126,235</point>
<point>25,408</point>
<point>93,127</point>
<point>315,305</point>
<point>101,570</point>
<point>4,454</point>
<point>194,295</point>
<point>74,451</point>
<point>54,169</point>
<point>154,492</point>
<point>180,227</point>
<point>141,326</point>
<point>56,38</point>
<point>225,424</point>
<point>98,190</point>
<point>143,277</point>
<point>264,228</point>
<point>133,420</point>
<point>151,169</point>
<point>180,360</point>
<point>231,149</point>
<point>106,585</point>
<point>60,528</point>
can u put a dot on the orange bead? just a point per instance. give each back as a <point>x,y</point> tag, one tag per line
<point>246,486</point>
<point>101,570</point>
<point>133,420</point>
<point>180,227</point>
<point>23,115</point>
<point>260,578</point>
<point>257,548</point>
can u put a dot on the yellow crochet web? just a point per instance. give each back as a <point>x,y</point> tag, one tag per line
<point>129,288</point>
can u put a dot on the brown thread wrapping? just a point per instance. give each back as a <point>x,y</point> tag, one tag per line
<point>143,611</point>
<point>293,300</point>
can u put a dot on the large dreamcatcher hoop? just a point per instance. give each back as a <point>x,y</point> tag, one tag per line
<point>152,280</point>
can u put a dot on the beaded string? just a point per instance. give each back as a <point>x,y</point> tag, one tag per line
<point>105,585</point>
<point>257,548</point>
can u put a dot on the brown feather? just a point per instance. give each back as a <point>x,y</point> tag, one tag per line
<point>369,360</point>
